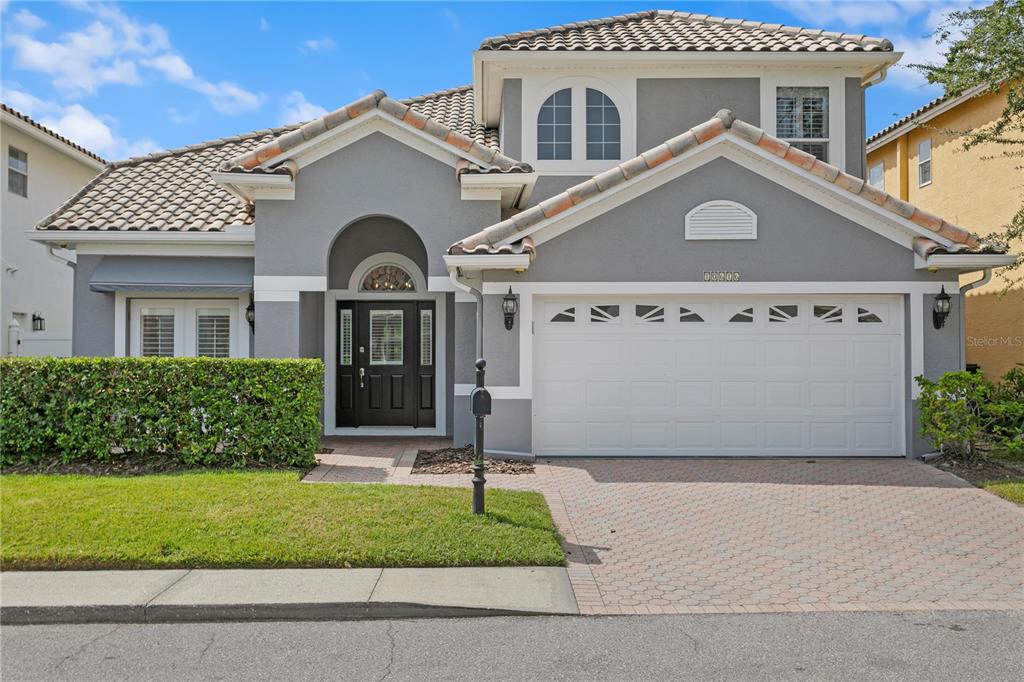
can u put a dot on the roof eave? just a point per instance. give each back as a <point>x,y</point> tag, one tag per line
<point>964,262</point>
<point>51,141</point>
<point>489,66</point>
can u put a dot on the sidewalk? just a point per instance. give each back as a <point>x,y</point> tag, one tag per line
<point>166,596</point>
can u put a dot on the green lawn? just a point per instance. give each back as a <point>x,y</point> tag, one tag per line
<point>262,519</point>
<point>1011,490</point>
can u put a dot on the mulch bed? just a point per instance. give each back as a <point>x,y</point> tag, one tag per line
<point>460,461</point>
<point>128,466</point>
<point>982,471</point>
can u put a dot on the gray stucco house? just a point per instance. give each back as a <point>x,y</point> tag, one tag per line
<point>676,202</point>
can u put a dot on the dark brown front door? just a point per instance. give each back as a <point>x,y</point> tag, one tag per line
<point>385,363</point>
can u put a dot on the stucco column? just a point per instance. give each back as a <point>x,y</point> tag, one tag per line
<point>277,329</point>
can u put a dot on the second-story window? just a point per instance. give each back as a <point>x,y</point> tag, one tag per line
<point>801,118</point>
<point>603,134</point>
<point>17,172</point>
<point>554,127</point>
<point>924,162</point>
<point>876,176</point>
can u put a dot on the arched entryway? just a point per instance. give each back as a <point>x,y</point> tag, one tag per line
<point>384,333</point>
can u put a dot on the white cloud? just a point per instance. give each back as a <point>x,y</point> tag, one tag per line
<point>317,45</point>
<point>27,21</point>
<point>109,49</point>
<point>452,18</point>
<point>297,108</point>
<point>95,133</point>
<point>225,97</point>
<point>25,102</point>
<point>264,24</point>
<point>181,119</point>
<point>840,15</point>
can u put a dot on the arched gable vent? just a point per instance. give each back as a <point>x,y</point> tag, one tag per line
<point>721,219</point>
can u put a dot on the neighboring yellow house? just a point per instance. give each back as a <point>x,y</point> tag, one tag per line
<point>979,189</point>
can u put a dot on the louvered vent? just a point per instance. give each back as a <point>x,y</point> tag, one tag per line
<point>721,219</point>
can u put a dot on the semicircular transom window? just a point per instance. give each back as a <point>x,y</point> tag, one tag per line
<point>386,278</point>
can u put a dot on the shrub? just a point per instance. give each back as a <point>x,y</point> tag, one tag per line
<point>962,410</point>
<point>1005,412</point>
<point>203,411</point>
<point>952,418</point>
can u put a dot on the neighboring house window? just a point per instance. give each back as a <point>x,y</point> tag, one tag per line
<point>17,171</point>
<point>924,162</point>
<point>801,118</point>
<point>603,126</point>
<point>876,176</point>
<point>554,127</point>
<point>168,328</point>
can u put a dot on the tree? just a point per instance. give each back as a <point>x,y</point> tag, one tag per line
<point>985,48</point>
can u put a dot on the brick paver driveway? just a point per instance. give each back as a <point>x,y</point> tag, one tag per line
<point>728,535</point>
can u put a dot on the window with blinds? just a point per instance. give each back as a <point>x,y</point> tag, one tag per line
<point>386,334</point>
<point>426,337</point>
<point>345,340</point>
<point>213,332</point>
<point>157,332</point>
<point>801,118</point>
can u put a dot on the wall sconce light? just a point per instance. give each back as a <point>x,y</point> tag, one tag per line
<point>941,310</point>
<point>250,316</point>
<point>509,306</point>
<point>38,322</point>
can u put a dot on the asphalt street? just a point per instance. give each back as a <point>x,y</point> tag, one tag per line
<point>815,646</point>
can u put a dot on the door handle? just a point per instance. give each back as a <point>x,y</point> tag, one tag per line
<point>362,373</point>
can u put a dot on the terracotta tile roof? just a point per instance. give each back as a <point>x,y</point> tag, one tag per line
<point>380,101</point>
<point>920,112</point>
<point>168,190</point>
<point>723,123</point>
<point>56,136</point>
<point>173,190</point>
<point>454,108</point>
<point>668,30</point>
<point>524,245</point>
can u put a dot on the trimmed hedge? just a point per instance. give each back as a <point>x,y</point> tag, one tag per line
<point>203,411</point>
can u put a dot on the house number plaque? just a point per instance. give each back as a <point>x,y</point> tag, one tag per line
<point>721,276</point>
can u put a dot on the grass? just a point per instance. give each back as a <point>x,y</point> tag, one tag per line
<point>263,519</point>
<point>1010,490</point>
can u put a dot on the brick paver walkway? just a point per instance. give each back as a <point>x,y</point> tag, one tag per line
<point>744,535</point>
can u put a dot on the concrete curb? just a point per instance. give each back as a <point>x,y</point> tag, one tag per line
<point>182,596</point>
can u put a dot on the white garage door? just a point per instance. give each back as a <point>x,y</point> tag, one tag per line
<point>718,375</point>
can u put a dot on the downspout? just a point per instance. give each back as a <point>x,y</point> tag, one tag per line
<point>986,277</point>
<point>876,78</point>
<point>60,259</point>
<point>463,284</point>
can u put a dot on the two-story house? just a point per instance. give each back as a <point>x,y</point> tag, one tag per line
<point>657,220</point>
<point>39,170</point>
<point>920,158</point>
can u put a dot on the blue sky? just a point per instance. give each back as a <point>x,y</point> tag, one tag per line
<point>131,77</point>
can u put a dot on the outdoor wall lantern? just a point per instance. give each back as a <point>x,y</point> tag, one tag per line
<point>250,315</point>
<point>38,322</point>
<point>941,310</point>
<point>510,306</point>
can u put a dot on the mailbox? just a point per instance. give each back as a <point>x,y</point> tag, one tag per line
<point>480,399</point>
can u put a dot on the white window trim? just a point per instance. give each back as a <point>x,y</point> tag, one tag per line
<point>534,98</point>
<point>770,82</point>
<point>11,169</point>
<point>881,166</point>
<point>126,337</point>
<point>920,163</point>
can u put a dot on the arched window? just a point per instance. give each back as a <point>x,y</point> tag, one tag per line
<point>387,278</point>
<point>554,127</point>
<point>603,127</point>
